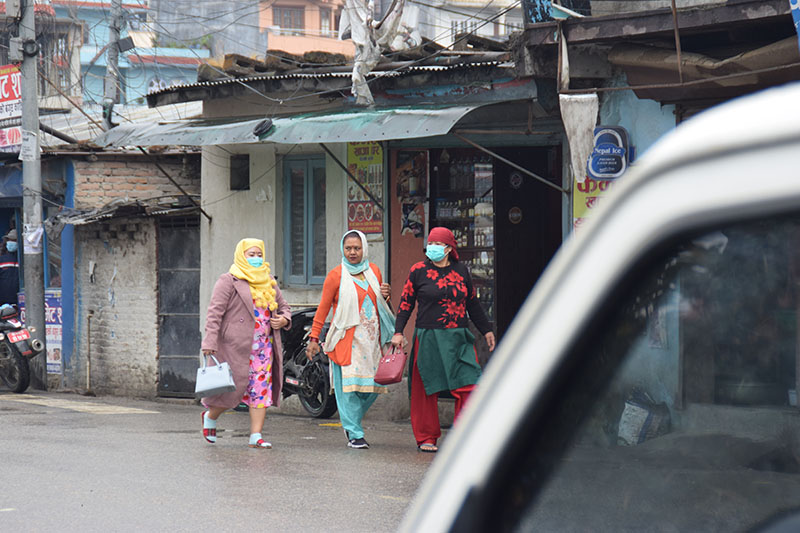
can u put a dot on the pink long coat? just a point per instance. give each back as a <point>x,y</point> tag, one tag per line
<point>230,326</point>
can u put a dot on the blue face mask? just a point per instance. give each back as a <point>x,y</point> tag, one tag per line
<point>11,246</point>
<point>255,261</point>
<point>435,252</point>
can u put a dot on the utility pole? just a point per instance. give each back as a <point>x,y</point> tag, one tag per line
<point>32,228</point>
<point>111,89</point>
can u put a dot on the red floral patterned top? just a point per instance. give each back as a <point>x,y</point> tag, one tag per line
<point>446,298</point>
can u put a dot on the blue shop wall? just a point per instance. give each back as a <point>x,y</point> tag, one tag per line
<point>59,185</point>
<point>68,272</point>
<point>645,120</point>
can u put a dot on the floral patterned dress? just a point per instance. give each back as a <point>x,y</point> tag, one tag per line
<point>259,388</point>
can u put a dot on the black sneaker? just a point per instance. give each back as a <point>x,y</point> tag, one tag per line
<point>359,444</point>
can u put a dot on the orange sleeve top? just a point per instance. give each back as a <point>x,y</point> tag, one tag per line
<point>341,354</point>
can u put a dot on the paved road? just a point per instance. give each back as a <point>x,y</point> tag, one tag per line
<point>72,463</point>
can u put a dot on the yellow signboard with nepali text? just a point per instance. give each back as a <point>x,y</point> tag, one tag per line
<point>587,196</point>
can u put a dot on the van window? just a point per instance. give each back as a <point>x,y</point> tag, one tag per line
<point>680,413</point>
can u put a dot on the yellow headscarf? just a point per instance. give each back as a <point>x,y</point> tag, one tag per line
<point>262,286</point>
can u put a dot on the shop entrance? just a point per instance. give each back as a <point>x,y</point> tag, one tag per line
<point>527,224</point>
<point>507,224</point>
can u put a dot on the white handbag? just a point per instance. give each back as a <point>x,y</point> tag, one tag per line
<point>213,380</point>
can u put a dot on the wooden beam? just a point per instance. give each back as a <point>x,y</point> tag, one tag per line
<point>647,23</point>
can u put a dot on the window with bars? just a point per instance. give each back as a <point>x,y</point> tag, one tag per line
<point>304,249</point>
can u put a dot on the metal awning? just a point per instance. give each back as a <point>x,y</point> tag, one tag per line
<point>335,127</point>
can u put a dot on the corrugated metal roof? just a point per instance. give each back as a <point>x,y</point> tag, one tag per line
<point>343,74</point>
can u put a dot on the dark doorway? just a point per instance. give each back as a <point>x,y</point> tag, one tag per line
<point>178,305</point>
<point>527,224</point>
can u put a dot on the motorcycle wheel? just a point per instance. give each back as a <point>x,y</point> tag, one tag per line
<point>316,397</point>
<point>14,370</point>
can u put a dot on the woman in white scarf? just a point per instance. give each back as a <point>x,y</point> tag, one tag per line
<point>362,324</point>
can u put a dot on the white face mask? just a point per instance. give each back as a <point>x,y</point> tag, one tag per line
<point>11,246</point>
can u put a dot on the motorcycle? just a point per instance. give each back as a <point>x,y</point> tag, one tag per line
<point>309,380</point>
<point>17,346</point>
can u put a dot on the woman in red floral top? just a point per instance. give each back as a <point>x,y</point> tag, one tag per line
<point>443,356</point>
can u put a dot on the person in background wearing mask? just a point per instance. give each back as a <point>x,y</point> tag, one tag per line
<point>443,355</point>
<point>9,269</point>
<point>245,316</point>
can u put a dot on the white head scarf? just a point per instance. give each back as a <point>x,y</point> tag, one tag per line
<point>347,310</point>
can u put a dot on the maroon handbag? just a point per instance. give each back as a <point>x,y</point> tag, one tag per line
<point>391,365</point>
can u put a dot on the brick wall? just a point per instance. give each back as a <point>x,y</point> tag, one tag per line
<point>120,289</point>
<point>132,177</point>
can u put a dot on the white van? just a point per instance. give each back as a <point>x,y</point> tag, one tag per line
<point>649,383</point>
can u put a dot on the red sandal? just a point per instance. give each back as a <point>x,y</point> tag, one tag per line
<point>210,434</point>
<point>261,443</point>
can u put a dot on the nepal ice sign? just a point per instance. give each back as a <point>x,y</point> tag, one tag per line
<point>609,158</point>
<point>608,161</point>
<point>10,108</point>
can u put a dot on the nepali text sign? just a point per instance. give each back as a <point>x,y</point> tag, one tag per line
<point>53,313</point>
<point>365,163</point>
<point>586,197</point>
<point>10,92</point>
<point>10,139</point>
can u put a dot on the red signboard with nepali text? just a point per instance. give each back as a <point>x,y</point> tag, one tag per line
<point>10,92</point>
<point>10,108</point>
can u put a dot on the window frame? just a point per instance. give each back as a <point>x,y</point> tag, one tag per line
<point>325,15</point>
<point>278,14</point>
<point>309,164</point>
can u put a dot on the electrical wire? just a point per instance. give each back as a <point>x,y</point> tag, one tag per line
<point>434,54</point>
<point>294,96</point>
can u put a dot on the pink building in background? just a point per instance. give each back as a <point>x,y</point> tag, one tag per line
<point>299,26</point>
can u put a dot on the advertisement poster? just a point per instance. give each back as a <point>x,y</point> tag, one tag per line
<point>10,139</point>
<point>10,108</point>
<point>587,196</point>
<point>412,190</point>
<point>365,162</point>
<point>54,325</point>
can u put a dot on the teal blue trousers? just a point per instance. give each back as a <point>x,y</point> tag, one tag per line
<point>352,405</point>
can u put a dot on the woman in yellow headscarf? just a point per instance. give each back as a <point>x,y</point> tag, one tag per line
<point>244,317</point>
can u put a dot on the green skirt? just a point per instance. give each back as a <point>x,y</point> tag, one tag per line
<point>446,359</point>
